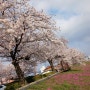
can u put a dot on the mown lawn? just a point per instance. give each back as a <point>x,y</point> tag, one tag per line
<point>76,79</point>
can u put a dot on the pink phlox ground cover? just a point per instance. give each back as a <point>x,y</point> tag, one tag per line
<point>75,78</point>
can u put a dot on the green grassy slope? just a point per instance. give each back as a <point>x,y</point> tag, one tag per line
<point>76,79</point>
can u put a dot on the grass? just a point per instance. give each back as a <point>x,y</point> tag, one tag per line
<point>12,86</point>
<point>15,85</point>
<point>65,86</point>
<point>76,79</point>
<point>44,86</point>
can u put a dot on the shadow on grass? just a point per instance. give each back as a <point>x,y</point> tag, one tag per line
<point>72,71</point>
<point>75,70</point>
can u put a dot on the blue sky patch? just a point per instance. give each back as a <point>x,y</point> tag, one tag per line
<point>63,14</point>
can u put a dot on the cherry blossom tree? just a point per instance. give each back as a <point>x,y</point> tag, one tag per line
<point>28,35</point>
<point>21,27</point>
<point>28,67</point>
<point>74,56</point>
<point>70,57</point>
<point>55,51</point>
<point>50,50</point>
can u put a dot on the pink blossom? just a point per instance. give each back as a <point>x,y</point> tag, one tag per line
<point>49,89</point>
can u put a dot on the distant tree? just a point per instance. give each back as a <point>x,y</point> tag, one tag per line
<point>50,50</point>
<point>54,51</point>
<point>71,57</point>
<point>74,56</point>
<point>10,72</point>
<point>7,72</point>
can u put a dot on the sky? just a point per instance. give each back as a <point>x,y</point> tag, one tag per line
<point>73,17</point>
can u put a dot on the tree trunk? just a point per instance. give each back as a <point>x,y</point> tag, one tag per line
<point>1,81</point>
<point>34,70</point>
<point>65,66</point>
<point>51,64</point>
<point>62,65</point>
<point>19,72</point>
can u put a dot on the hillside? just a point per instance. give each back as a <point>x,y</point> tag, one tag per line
<point>76,79</point>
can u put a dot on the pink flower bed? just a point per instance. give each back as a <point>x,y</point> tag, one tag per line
<point>49,89</point>
<point>75,78</point>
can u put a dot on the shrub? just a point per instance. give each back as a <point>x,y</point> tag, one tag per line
<point>30,79</point>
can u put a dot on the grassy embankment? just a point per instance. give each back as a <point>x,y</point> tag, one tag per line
<point>76,79</point>
<point>30,79</point>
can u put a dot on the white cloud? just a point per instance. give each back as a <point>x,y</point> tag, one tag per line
<point>79,6</point>
<point>77,26</point>
<point>87,39</point>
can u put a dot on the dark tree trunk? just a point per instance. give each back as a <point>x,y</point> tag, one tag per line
<point>51,64</point>
<point>64,66</point>
<point>34,70</point>
<point>15,62</point>
<point>67,67</point>
<point>19,72</point>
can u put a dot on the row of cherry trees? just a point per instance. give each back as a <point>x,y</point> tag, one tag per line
<point>27,36</point>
